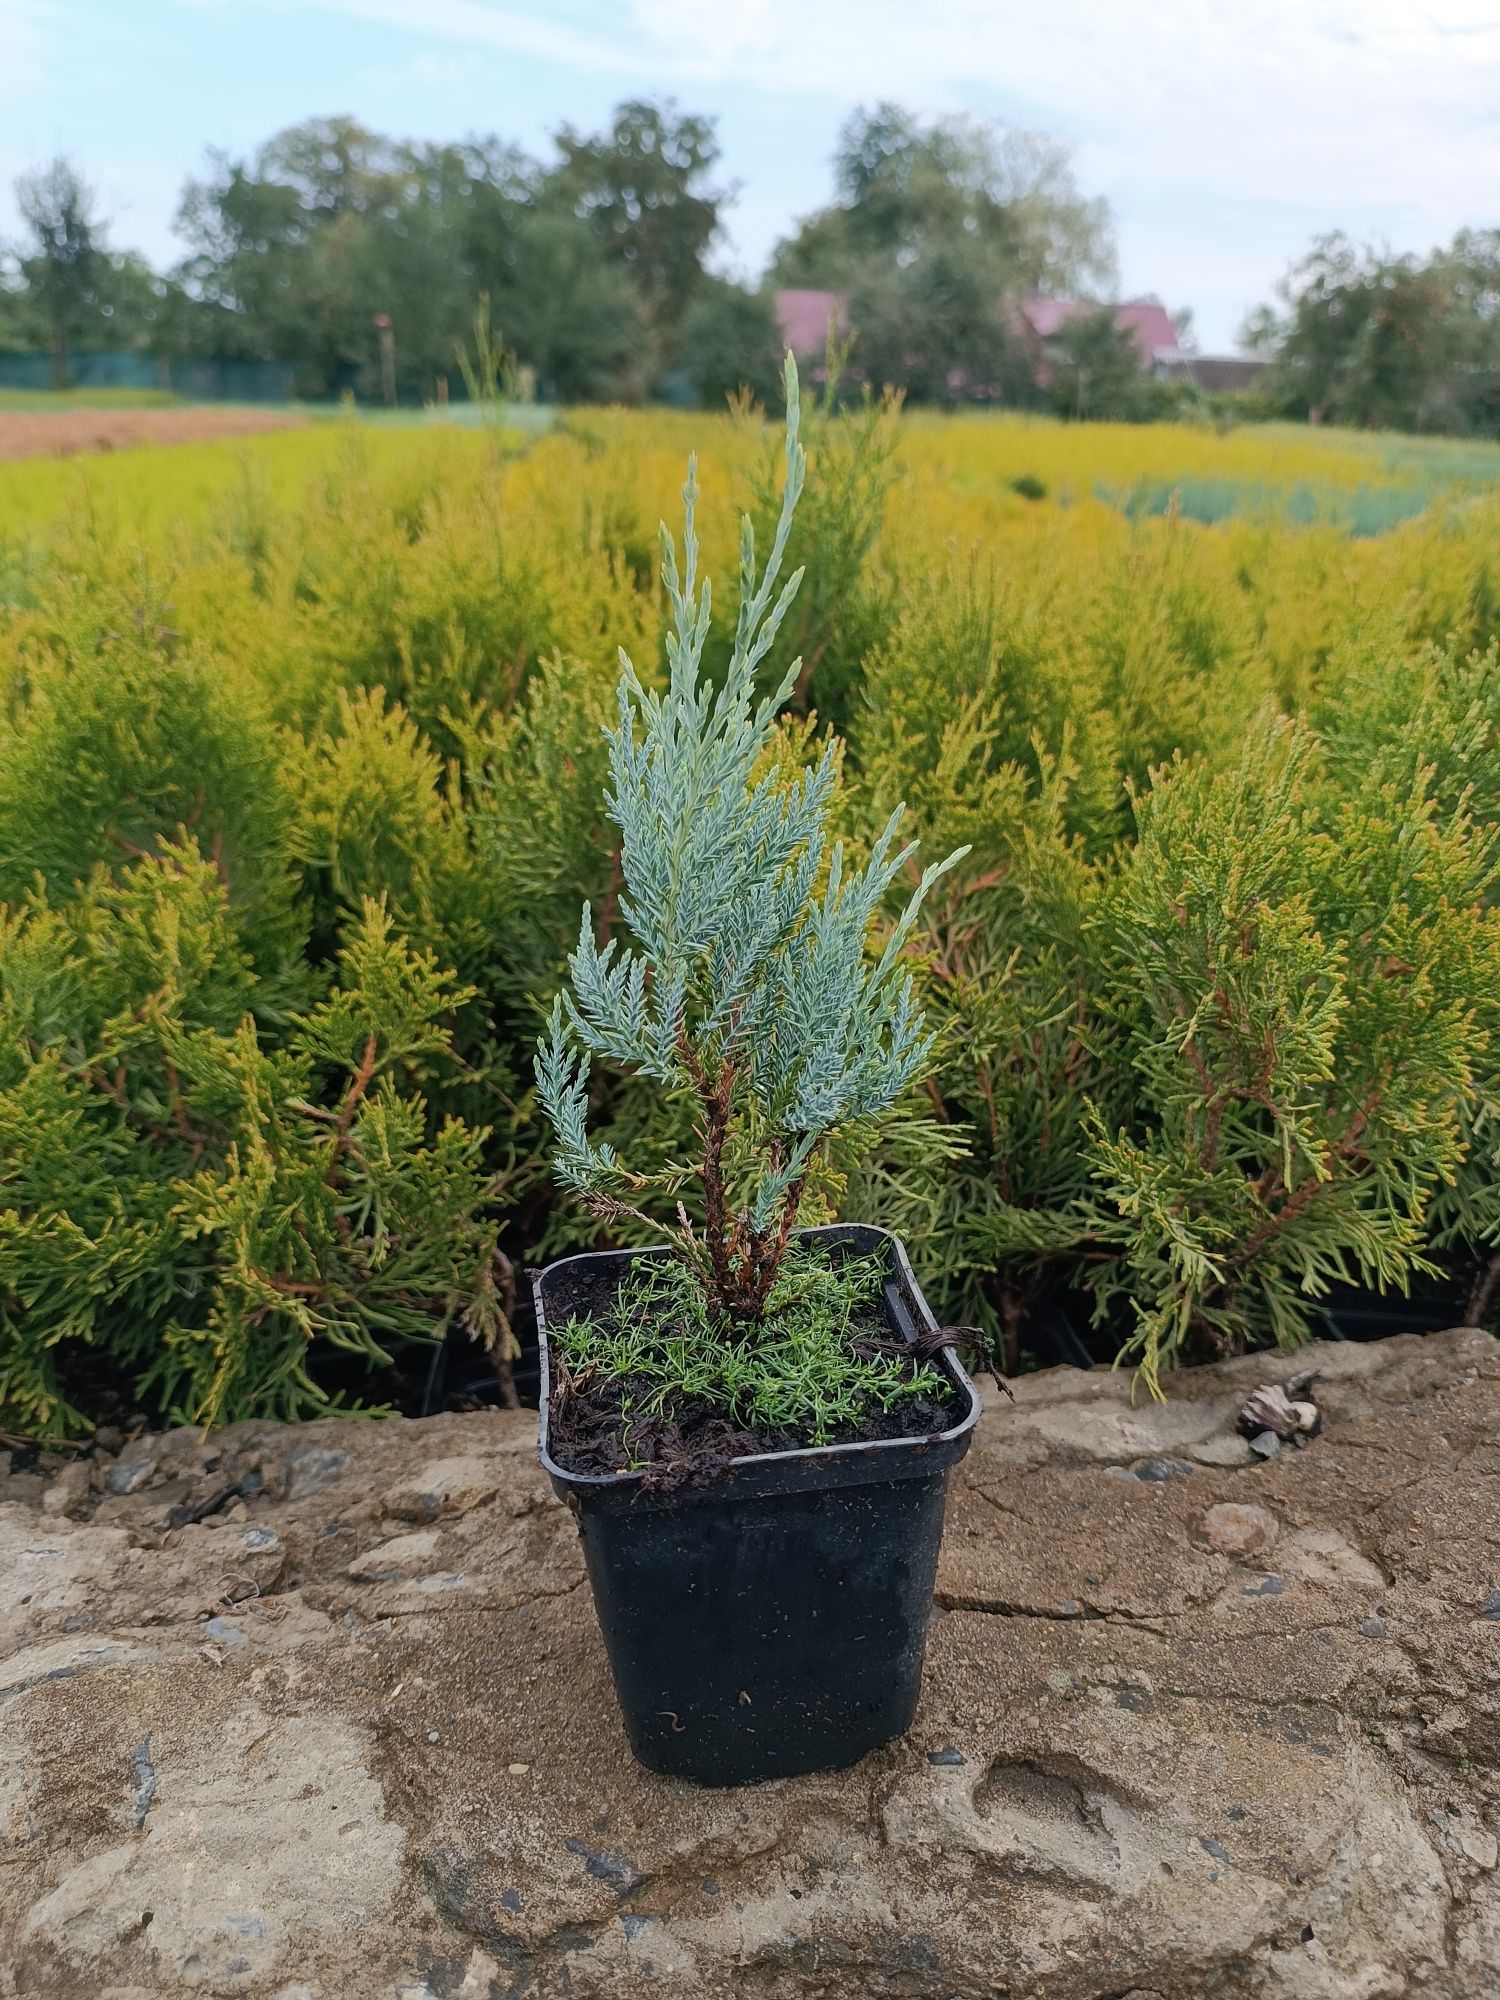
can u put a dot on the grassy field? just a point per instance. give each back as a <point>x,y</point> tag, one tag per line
<point>40,402</point>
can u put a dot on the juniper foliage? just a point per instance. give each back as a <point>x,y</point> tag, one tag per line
<point>748,979</point>
<point>848,599</point>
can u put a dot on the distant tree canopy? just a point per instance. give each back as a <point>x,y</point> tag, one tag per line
<point>933,229</point>
<point>590,264</point>
<point>67,288</point>
<point>908,192</point>
<point>1094,370</point>
<point>595,263</point>
<point>935,329</point>
<point>730,341</point>
<point>1402,343</point>
<point>296,251</point>
<point>596,266</point>
<point>642,190</point>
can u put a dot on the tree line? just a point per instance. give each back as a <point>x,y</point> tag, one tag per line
<point>596,263</point>
<point>358,260</point>
<point>1362,336</point>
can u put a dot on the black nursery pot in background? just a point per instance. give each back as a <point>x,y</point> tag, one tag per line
<point>774,1620</point>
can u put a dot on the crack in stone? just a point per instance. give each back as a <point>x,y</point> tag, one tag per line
<point>983,1493</point>
<point>995,1607</point>
<point>144,1773</point>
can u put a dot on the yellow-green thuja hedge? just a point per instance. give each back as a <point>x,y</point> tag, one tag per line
<point>301,792</point>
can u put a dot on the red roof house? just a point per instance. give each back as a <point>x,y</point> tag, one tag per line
<point>803,318</point>
<point>1147,320</point>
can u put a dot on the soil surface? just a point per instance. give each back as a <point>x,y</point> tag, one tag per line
<point>62,433</point>
<point>591,1428</point>
<point>590,1431</point>
<point>323,1714</point>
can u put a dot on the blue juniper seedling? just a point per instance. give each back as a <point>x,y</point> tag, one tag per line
<point>754,979</point>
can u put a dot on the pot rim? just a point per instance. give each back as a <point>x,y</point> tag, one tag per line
<point>832,1454</point>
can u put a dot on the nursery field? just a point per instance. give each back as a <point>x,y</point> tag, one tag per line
<point>38,402</point>
<point>301,794</point>
<point>86,427</point>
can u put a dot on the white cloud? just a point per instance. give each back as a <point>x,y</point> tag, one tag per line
<point>541,31</point>
<point>1253,99</point>
<point>1382,112</point>
<point>1225,136</point>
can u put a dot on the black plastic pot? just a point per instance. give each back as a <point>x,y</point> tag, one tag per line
<point>774,1621</point>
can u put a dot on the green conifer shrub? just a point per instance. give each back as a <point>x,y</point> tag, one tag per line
<point>1024,1056</point>
<point>1247,1057</point>
<point>208,1213</point>
<point>1301,987</point>
<point>963,688</point>
<point>246,692</point>
<point>1172,656</point>
<point>377,815</point>
<point>1389,712</point>
<point>125,744</point>
<point>533,780</point>
<point>1434,720</point>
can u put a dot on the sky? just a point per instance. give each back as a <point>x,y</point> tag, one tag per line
<point>1225,137</point>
